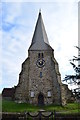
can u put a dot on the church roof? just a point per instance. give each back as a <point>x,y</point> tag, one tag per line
<point>8,92</point>
<point>40,39</point>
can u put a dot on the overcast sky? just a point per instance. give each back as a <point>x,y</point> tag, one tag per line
<point>18,24</point>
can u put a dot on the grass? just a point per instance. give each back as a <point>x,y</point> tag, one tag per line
<point>69,108</point>
<point>10,106</point>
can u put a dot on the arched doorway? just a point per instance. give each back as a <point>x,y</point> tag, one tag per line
<point>40,99</point>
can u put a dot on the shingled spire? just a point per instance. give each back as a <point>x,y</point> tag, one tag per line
<point>40,40</point>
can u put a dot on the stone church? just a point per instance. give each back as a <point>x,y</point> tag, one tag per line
<point>40,79</point>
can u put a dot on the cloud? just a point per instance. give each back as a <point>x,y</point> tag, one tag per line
<point>7,26</point>
<point>10,13</point>
<point>62,32</point>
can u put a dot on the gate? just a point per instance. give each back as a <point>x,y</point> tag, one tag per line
<point>28,116</point>
<point>40,116</point>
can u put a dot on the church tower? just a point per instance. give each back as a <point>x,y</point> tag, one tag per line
<point>40,79</point>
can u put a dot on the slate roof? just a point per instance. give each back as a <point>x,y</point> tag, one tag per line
<point>40,39</point>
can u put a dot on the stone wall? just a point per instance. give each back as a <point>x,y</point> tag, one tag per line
<point>49,80</point>
<point>21,94</point>
<point>31,84</point>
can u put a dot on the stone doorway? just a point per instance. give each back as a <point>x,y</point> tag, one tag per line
<point>40,99</point>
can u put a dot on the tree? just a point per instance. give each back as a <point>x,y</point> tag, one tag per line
<point>70,79</point>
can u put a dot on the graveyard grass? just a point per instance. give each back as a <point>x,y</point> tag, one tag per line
<point>10,106</point>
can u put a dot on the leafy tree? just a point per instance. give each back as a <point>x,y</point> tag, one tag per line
<point>75,78</point>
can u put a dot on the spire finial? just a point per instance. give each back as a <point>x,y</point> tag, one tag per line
<point>40,10</point>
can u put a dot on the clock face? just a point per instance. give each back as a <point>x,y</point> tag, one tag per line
<point>40,62</point>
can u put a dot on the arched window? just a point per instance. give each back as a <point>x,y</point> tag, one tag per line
<point>40,74</point>
<point>38,55</point>
<point>49,93</point>
<point>42,55</point>
<point>32,94</point>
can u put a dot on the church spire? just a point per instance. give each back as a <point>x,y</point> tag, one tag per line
<point>40,40</point>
